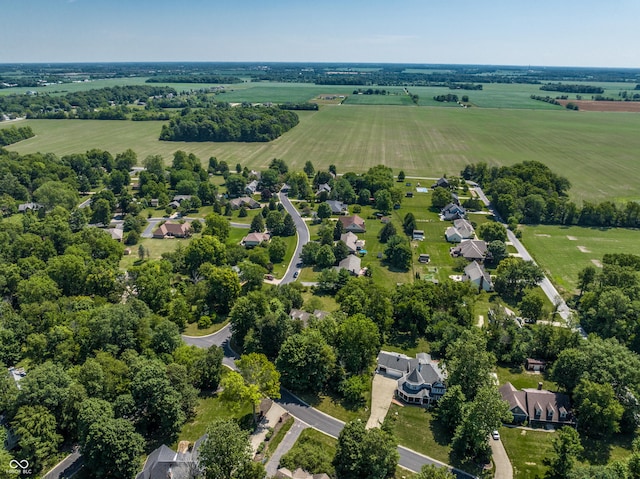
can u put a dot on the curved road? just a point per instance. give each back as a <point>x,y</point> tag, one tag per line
<point>331,426</point>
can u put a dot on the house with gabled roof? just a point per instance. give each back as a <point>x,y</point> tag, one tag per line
<point>173,230</point>
<point>441,183</point>
<point>304,316</point>
<point>351,263</point>
<point>478,276</point>
<point>254,239</point>
<point>24,207</point>
<point>351,240</point>
<point>246,201</point>
<point>538,407</point>
<point>284,473</point>
<point>420,379</point>
<point>251,188</point>
<point>324,187</point>
<point>453,212</point>
<point>472,250</point>
<point>354,223</point>
<point>337,207</point>
<point>462,229</point>
<point>165,463</point>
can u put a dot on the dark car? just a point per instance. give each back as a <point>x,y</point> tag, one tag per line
<point>295,275</point>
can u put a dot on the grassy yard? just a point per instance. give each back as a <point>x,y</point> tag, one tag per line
<point>154,249</point>
<point>564,251</point>
<point>278,437</point>
<point>524,379</point>
<point>526,450</point>
<point>418,140</point>
<point>193,330</point>
<point>416,429</point>
<point>333,406</point>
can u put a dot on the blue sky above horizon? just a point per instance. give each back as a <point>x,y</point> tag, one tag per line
<point>498,32</point>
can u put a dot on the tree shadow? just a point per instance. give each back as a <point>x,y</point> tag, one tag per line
<point>402,340</point>
<point>441,434</point>
<point>598,451</point>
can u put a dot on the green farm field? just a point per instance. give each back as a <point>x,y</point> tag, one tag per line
<point>563,251</point>
<point>594,150</point>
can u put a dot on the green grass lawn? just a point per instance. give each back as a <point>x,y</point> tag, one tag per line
<point>321,302</point>
<point>279,269</point>
<point>526,450</point>
<point>311,439</point>
<point>557,252</point>
<point>524,379</point>
<point>333,406</point>
<point>278,437</point>
<point>416,429</point>
<point>193,330</point>
<point>420,141</point>
<point>155,248</point>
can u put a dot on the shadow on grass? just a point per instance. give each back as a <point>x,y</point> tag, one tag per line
<point>441,434</point>
<point>403,340</point>
<point>598,450</point>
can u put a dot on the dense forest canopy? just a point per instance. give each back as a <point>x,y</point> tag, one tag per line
<point>224,123</point>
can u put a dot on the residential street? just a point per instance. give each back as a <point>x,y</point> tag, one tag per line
<point>303,237</point>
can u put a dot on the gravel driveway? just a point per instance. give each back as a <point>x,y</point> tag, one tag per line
<point>382,391</point>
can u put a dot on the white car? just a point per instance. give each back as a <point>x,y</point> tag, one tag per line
<point>495,435</point>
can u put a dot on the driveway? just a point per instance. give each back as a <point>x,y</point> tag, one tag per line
<point>285,445</point>
<point>382,390</point>
<point>504,470</point>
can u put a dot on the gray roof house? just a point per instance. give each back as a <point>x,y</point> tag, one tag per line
<point>285,473</point>
<point>478,276</point>
<point>165,463</point>
<point>246,201</point>
<point>442,183</point>
<point>24,207</point>
<point>338,207</point>
<point>352,264</point>
<point>453,212</point>
<point>351,240</point>
<point>470,250</point>
<point>323,187</point>
<point>420,379</point>
<point>251,188</point>
<point>538,406</point>
<point>305,317</point>
<point>460,230</point>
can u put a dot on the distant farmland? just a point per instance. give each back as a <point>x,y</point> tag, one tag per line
<point>597,151</point>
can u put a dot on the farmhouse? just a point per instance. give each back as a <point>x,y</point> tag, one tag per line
<point>354,223</point>
<point>173,230</point>
<point>337,207</point>
<point>420,380</point>
<point>538,406</point>
<point>254,239</point>
<point>472,250</point>
<point>165,462</point>
<point>245,201</point>
<point>478,276</point>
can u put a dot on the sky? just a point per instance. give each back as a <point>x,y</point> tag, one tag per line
<point>591,33</point>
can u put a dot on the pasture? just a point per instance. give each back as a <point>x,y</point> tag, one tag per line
<point>595,150</point>
<point>564,251</point>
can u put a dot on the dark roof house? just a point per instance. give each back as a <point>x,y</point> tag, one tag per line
<point>453,212</point>
<point>165,463</point>
<point>337,207</point>
<point>538,406</point>
<point>442,183</point>
<point>472,250</point>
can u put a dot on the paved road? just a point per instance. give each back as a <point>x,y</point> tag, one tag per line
<point>66,468</point>
<point>303,237</point>
<point>287,443</point>
<point>504,470</point>
<point>220,338</point>
<point>549,290</point>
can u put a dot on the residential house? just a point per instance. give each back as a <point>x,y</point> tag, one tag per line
<point>251,188</point>
<point>461,229</point>
<point>173,230</point>
<point>350,240</point>
<point>165,463</point>
<point>442,183</point>
<point>324,187</point>
<point>418,235</point>
<point>116,233</point>
<point>420,379</point>
<point>254,239</point>
<point>304,316</point>
<point>472,250</point>
<point>352,264</point>
<point>338,207</point>
<point>531,364</point>
<point>285,473</point>
<point>453,212</point>
<point>538,407</point>
<point>155,202</point>
<point>478,276</point>
<point>354,223</point>
<point>24,207</point>
<point>246,201</point>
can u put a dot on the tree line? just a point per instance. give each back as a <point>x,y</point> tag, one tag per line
<point>194,78</point>
<point>223,123</point>
<point>531,193</point>
<point>11,135</point>
<point>566,88</point>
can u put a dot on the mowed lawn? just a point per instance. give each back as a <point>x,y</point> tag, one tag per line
<point>596,151</point>
<point>564,251</point>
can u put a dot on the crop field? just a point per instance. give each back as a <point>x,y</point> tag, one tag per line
<point>564,251</point>
<point>595,150</point>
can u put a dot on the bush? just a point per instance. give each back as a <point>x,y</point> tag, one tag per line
<point>204,322</point>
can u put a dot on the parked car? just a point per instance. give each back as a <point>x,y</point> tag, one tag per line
<point>295,275</point>
<point>495,435</point>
